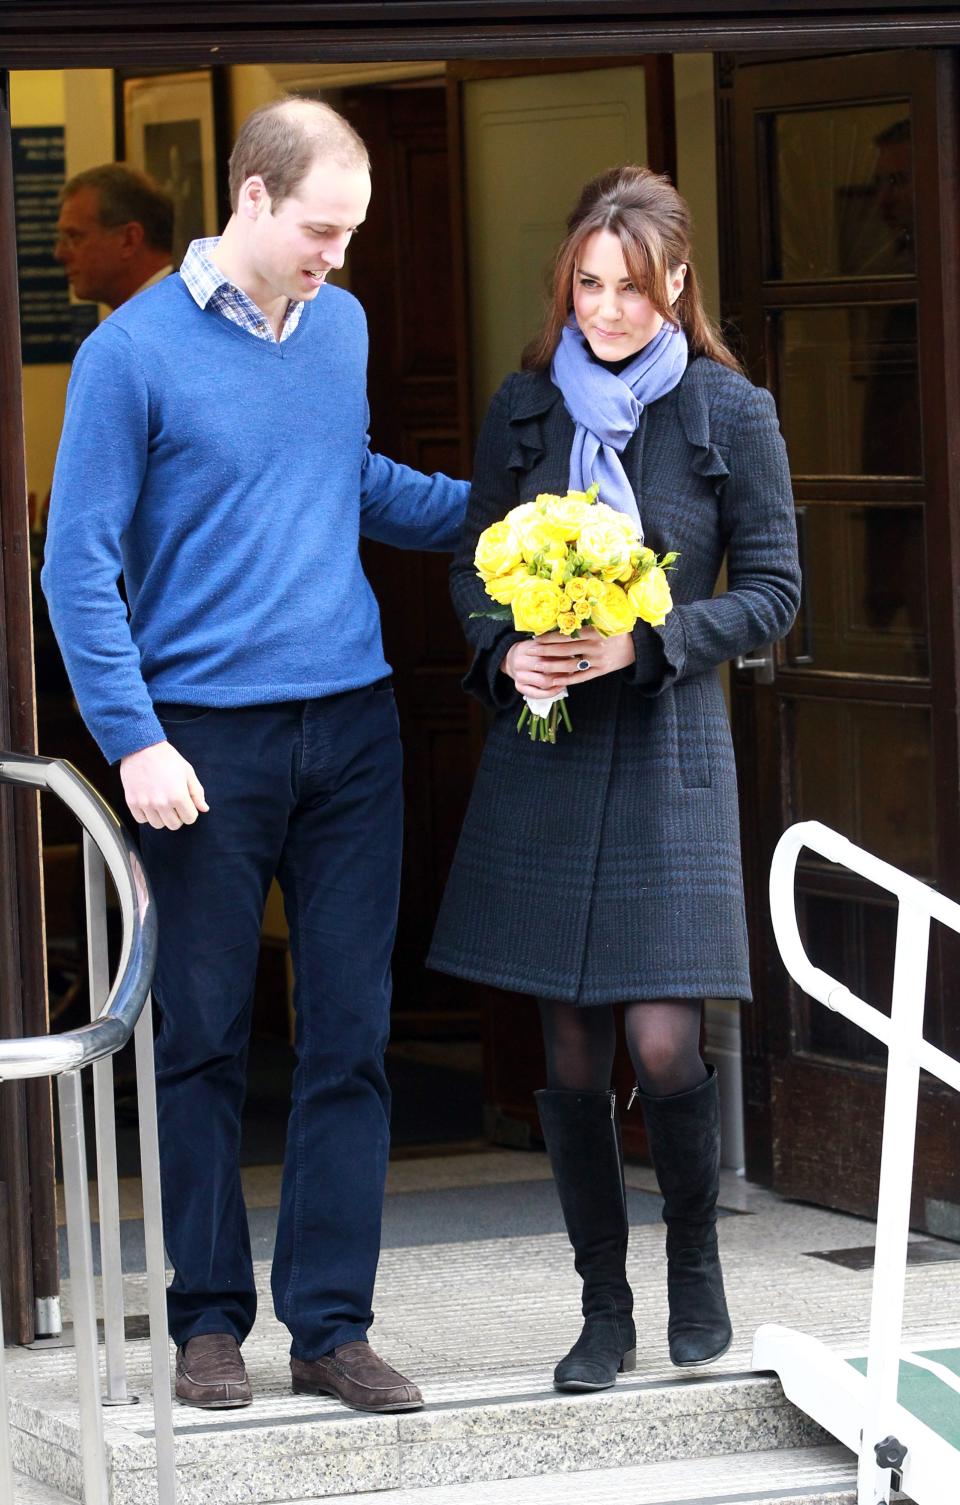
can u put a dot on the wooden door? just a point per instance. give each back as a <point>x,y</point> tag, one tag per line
<point>401,267</point>
<point>841,274</point>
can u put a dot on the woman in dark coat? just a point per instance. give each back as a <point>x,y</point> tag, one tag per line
<point>605,868</point>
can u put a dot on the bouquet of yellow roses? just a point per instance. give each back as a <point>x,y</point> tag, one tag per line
<point>561,563</point>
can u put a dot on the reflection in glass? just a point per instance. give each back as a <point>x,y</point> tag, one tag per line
<point>866,770</point>
<point>849,389</point>
<point>852,938</point>
<point>853,942</point>
<point>864,599</point>
<point>842,192</point>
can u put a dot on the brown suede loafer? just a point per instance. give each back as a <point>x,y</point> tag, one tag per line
<point>358,1377</point>
<point>211,1373</point>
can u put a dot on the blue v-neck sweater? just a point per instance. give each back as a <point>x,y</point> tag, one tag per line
<point>230,479</point>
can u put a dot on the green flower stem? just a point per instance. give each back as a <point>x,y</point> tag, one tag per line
<point>523,716</point>
<point>566,716</point>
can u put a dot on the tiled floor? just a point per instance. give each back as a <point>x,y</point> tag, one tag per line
<point>479,1325</point>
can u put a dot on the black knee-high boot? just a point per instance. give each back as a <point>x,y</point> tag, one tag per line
<point>684,1137</point>
<point>583,1142</point>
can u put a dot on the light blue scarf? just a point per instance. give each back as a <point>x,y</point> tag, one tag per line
<point>606,407</point>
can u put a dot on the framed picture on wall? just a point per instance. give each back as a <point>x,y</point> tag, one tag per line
<point>170,125</point>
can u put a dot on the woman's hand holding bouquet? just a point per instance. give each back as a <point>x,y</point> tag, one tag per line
<point>564,568</point>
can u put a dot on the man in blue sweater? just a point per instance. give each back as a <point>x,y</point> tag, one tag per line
<point>215,450</point>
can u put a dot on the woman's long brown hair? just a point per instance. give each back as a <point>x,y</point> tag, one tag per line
<point>652,223</point>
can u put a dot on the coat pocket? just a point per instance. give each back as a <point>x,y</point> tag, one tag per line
<point>692,759</point>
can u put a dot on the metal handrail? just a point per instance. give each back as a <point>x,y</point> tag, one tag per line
<point>120,1010</point>
<point>908,1052</point>
<point>50,1055</point>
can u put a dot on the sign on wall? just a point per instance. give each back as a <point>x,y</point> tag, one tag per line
<point>51,327</point>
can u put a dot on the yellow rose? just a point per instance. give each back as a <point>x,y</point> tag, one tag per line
<point>567,512</point>
<point>650,596</point>
<point>498,550</point>
<point>537,532</point>
<point>612,612</point>
<point>605,548</point>
<point>567,621</point>
<point>576,588</point>
<point>619,520</point>
<point>582,610</point>
<point>535,605</point>
<point>516,514</point>
<point>503,587</point>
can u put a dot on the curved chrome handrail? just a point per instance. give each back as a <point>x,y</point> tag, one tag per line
<point>51,1055</point>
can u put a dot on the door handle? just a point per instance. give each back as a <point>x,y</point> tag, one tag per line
<point>761,662</point>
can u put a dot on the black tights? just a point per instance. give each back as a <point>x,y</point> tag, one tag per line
<point>663,1040</point>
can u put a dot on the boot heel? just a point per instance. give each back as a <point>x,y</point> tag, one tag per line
<point>628,1362</point>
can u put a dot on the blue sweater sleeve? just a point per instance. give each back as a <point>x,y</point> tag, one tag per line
<point>97,480</point>
<point>402,507</point>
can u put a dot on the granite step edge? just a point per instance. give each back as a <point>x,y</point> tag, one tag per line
<point>340,1453</point>
<point>824,1475</point>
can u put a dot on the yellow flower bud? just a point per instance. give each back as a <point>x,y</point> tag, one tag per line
<point>567,622</point>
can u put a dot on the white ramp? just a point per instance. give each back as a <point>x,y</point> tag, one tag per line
<point>899,1411</point>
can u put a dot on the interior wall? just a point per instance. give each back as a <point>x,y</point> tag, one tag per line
<point>697,165</point>
<point>530,142</point>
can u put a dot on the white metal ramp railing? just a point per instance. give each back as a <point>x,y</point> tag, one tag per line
<point>892,1422</point>
<point>118,1009</point>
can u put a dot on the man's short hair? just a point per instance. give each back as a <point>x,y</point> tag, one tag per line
<point>281,141</point>
<point>124,194</point>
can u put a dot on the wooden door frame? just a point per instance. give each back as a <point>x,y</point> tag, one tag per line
<point>27,1209</point>
<point>118,33</point>
<point>767,1028</point>
<point>114,33</point>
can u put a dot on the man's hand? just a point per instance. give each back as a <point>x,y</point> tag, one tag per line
<point>542,666</point>
<point>162,788</point>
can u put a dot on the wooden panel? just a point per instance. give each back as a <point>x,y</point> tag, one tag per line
<point>52,33</point>
<point>26,1152</point>
<point>401,268</point>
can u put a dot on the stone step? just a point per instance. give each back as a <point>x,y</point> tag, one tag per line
<point>787,1476</point>
<point>30,1492</point>
<point>487,1428</point>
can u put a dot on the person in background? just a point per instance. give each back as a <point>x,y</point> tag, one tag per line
<point>215,448</point>
<point>605,870</point>
<point>114,233</point>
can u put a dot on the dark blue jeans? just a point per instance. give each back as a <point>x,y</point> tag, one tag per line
<point>309,791</point>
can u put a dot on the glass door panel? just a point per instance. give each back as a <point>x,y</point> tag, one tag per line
<point>864,609</point>
<point>841,186</point>
<point>865,769</point>
<point>849,389</point>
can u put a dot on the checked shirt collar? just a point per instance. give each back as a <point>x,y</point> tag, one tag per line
<point>209,288</point>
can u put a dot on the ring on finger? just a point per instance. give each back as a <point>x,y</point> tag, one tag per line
<point>582,664</point>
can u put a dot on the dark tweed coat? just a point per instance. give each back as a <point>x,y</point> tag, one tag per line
<point>607,867</point>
